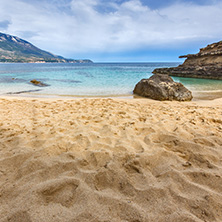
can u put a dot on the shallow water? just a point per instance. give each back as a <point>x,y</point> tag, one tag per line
<point>97,79</point>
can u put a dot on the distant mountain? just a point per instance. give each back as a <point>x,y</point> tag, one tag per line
<point>14,49</point>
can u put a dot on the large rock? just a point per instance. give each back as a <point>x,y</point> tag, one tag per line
<point>206,64</point>
<point>162,87</point>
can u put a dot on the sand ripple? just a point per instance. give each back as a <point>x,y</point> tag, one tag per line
<point>106,160</point>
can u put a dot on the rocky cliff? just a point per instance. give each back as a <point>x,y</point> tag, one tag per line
<point>14,49</point>
<point>206,64</point>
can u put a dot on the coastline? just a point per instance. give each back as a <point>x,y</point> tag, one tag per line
<point>113,159</point>
<point>197,95</point>
<point>46,96</point>
<point>94,80</point>
<point>206,95</point>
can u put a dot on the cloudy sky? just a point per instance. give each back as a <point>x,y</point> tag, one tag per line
<point>115,30</point>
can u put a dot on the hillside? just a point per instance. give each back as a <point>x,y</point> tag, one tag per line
<point>206,64</point>
<point>14,49</point>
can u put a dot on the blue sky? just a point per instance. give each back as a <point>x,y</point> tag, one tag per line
<point>115,30</point>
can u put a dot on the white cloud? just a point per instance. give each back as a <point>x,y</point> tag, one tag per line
<point>87,26</point>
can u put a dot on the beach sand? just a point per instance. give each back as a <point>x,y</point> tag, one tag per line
<point>110,160</point>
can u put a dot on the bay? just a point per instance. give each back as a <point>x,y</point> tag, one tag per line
<point>83,80</point>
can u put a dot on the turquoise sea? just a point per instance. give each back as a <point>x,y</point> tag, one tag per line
<point>96,79</point>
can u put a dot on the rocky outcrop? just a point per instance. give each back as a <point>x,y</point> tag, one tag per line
<point>206,64</point>
<point>162,87</point>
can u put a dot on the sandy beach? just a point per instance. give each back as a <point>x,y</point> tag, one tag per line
<point>110,160</point>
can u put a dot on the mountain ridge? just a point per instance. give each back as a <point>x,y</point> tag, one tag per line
<point>14,49</point>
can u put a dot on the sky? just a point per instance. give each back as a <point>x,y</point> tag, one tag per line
<point>115,30</point>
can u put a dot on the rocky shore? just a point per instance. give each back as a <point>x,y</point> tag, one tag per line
<point>207,64</point>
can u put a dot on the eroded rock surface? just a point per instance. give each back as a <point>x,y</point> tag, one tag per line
<point>206,64</point>
<point>162,87</point>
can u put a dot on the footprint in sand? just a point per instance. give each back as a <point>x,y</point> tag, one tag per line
<point>61,191</point>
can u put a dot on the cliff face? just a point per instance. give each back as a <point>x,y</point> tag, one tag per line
<point>206,64</point>
<point>14,49</point>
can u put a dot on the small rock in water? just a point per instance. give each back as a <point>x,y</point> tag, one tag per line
<point>37,83</point>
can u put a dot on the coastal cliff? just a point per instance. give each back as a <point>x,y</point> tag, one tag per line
<point>206,64</point>
<point>14,49</point>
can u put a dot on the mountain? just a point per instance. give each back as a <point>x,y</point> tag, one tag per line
<point>14,49</point>
<point>206,64</point>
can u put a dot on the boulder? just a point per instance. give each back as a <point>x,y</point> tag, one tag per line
<point>162,87</point>
<point>37,83</point>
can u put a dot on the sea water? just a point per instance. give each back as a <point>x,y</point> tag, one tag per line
<point>93,79</point>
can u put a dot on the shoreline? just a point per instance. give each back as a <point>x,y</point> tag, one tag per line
<point>125,96</point>
<point>206,95</point>
<point>131,100</point>
<point>197,96</point>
